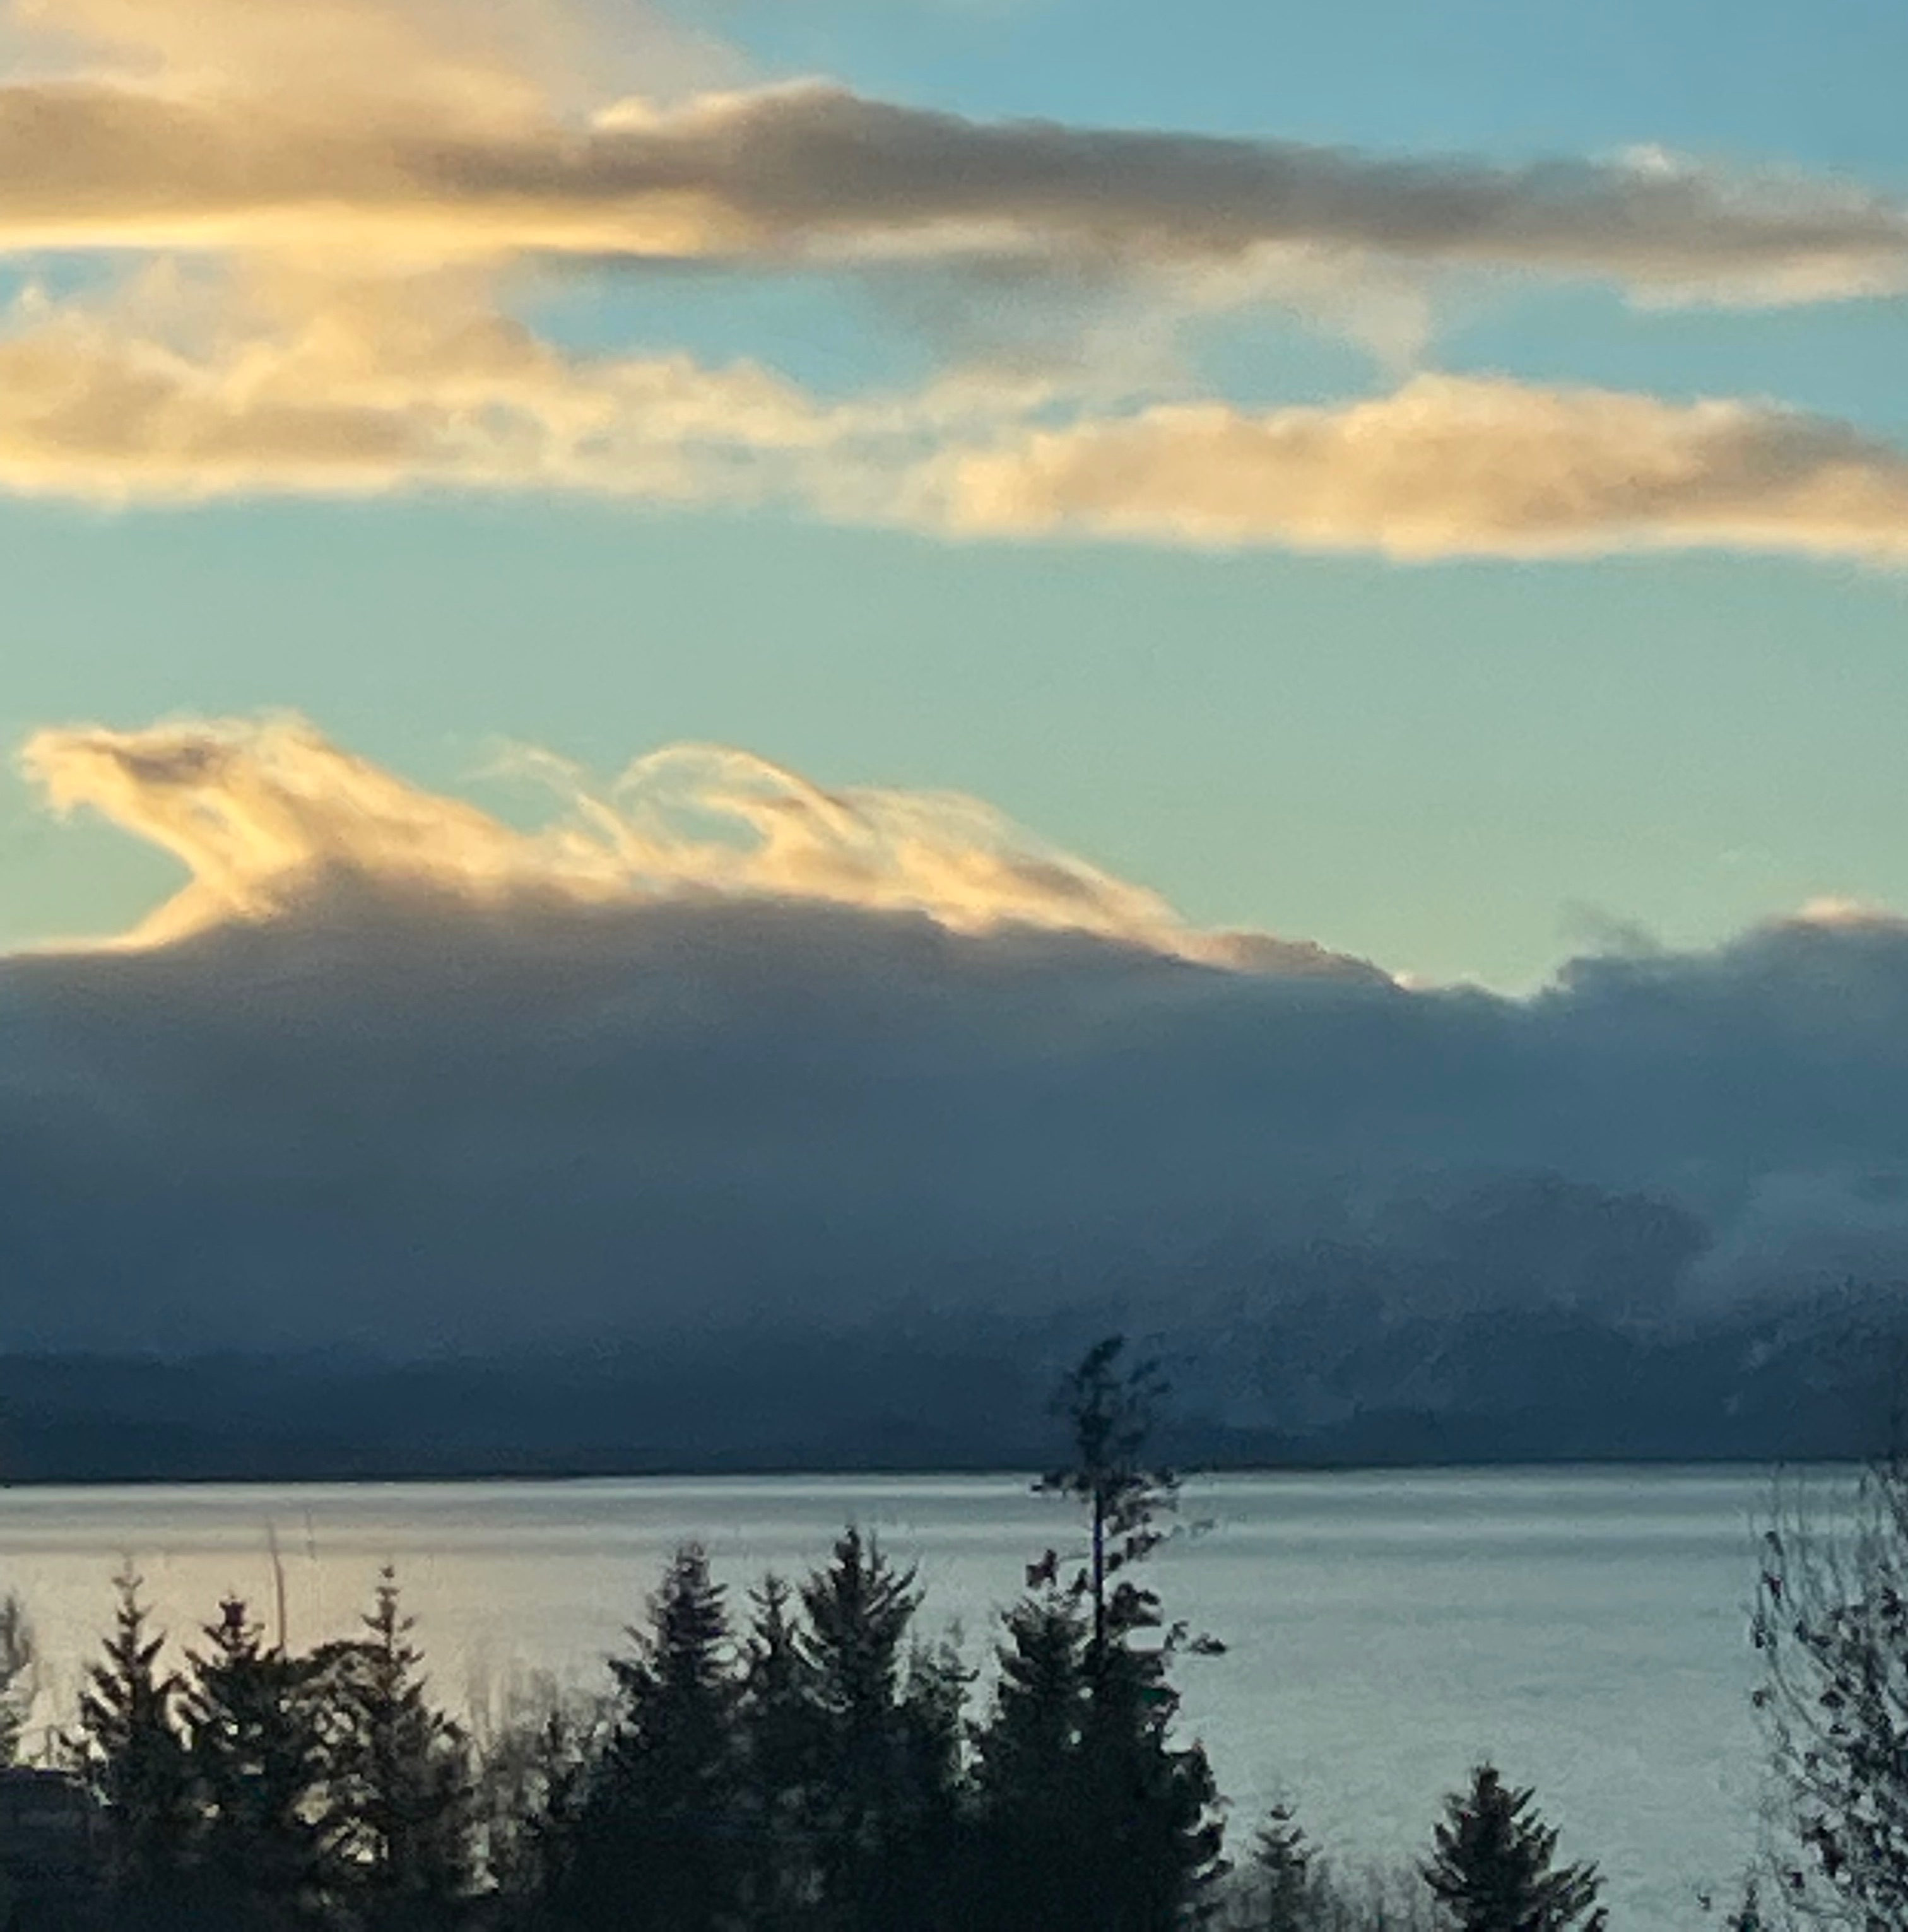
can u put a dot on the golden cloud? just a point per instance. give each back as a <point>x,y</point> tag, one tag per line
<point>354,176</point>
<point>274,823</point>
<point>1448,467</point>
<point>267,124</point>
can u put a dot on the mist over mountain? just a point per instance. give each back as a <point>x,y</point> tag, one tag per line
<point>726,1121</point>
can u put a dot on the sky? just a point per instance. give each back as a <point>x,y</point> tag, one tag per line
<point>818,658</point>
<point>1457,519</point>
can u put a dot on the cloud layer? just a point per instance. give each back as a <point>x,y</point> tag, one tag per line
<point>397,146</point>
<point>717,1046</point>
<point>320,205</point>
<point>199,391</point>
<point>436,131</point>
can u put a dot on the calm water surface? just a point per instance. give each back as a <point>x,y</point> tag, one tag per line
<point>1585,1628</point>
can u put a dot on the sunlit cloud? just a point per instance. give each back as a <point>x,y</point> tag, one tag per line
<point>272,822</point>
<point>321,208</point>
<point>269,124</point>
<point>1447,467</point>
<point>192,387</point>
<point>189,386</point>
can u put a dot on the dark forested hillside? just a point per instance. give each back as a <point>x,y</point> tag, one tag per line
<point>1319,1384</point>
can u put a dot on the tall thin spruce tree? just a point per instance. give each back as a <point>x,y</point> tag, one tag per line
<point>778,1746</point>
<point>402,1794</point>
<point>1492,1870</point>
<point>1081,1738</point>
<point>1110,1407</point>
<point>129,1749</point>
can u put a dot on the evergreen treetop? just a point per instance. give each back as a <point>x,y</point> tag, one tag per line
<point>1491,1870</point>
<point>402,1795</point>
<point>1110,1409</point>
<point>1283,1888</point>
<point>256,1762</point>
<point>653,1843</point>
<point>129,1749</point>
<point>1107,1825</point>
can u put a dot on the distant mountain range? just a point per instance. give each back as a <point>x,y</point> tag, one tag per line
<point>1330,1381</point>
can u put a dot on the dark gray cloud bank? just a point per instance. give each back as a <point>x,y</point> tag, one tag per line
<point>803,1164</point>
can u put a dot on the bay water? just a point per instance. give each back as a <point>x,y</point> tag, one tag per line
<point>1585,1628</point>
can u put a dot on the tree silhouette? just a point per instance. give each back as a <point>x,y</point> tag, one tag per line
<point>1084,1695</point>
<point>1283,1893</point>
<point>654,1844</point>
<point>402,1797</point>
<point>128,1748</point>
<point>1110,1411</point>
<point>779,1747</point>
<point>256,1762</point>
<point>1033,1857</point>
<point>1491,1870</point>
<point>881,1801</point>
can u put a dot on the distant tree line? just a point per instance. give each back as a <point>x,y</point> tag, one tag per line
<point>810,1762</point>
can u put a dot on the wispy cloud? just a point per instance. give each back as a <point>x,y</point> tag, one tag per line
<point>273,822</point>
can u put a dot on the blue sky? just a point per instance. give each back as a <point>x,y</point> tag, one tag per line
<point>1469,766</point>
<point>1508,77</point>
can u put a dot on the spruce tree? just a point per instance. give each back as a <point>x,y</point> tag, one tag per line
<point>1144,1808</point>
<point>1153,1804</point>
<point>933,1790</point>
<point>1491,1870</point>
<point>778,1744</point>
<point>256,1762</point>
<point>402,1794</point>
<point>1284,1889</point>
<point>129,1749</point>
<point>1033,1844</point>
<point>878,1805</point>
<point>1039,1706</point>
<point>655,1842</point>
<point>1110,1409</point>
